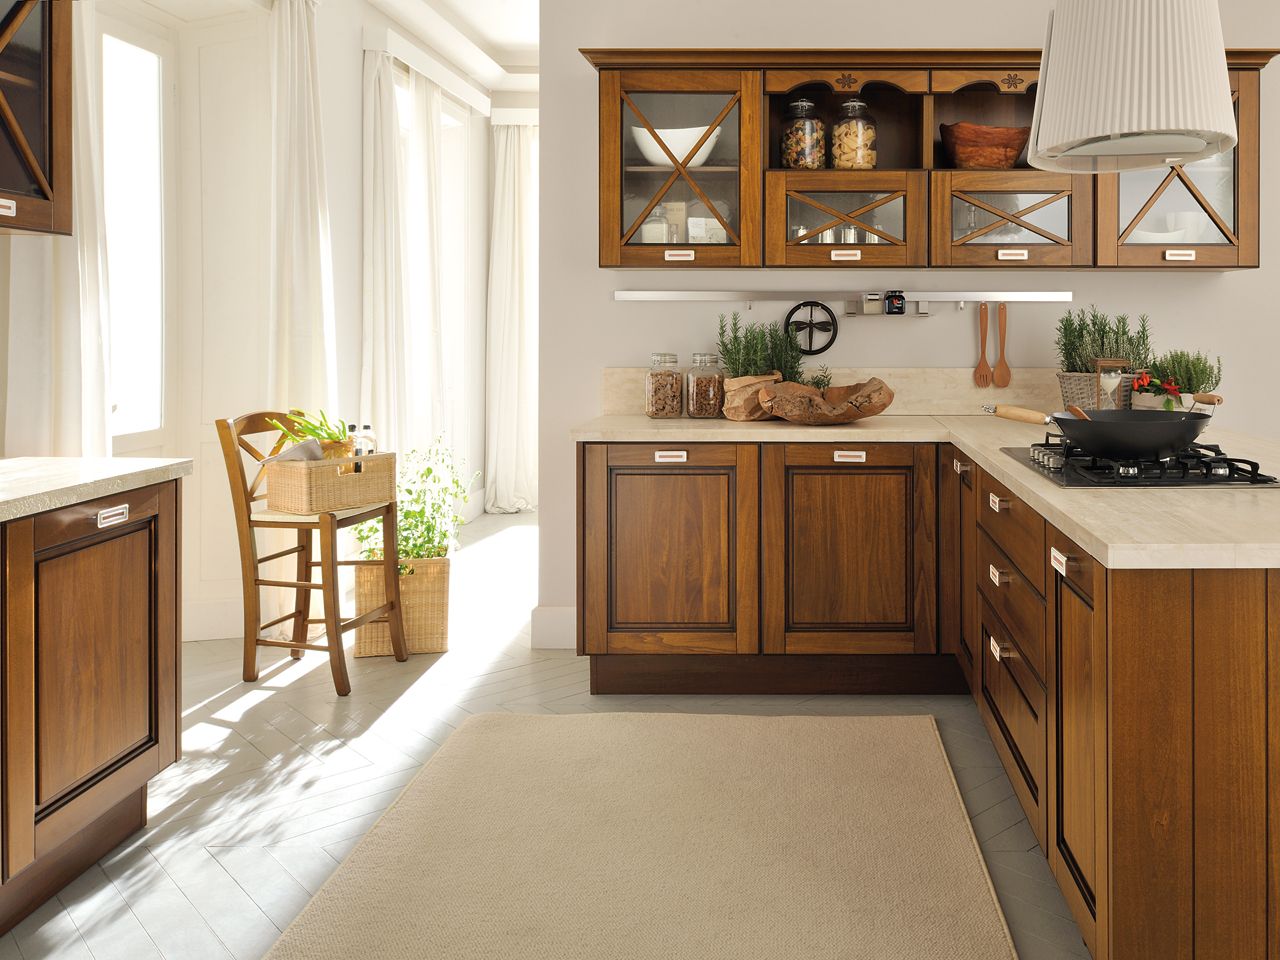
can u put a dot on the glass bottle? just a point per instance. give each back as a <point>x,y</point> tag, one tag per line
<point>704,388</point>
<point>663,387</point>
<point>853,140</point>
<point>804,138</point>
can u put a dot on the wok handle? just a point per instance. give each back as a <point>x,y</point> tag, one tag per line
<point>1020,414</point>
<point>1208,399</point>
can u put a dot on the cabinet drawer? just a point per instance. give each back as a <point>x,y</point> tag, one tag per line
<point>673,454</point>
<point>849,454</point>
<point>93,516</point>
<point>1071,562</point>
<point>1009,594</point>
<point>1015,527</point>
<point>1015,703</point>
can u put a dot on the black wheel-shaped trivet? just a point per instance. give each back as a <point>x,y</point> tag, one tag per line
<point>805,329</point>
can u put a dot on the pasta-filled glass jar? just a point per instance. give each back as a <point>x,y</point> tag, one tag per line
<point>704,387</point>
<point>804,138</point>
<point>853,140</point>
<point>663,387</point>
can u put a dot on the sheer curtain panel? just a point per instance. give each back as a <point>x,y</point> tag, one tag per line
<point>303,340</point>
<point>511,434</point>
<point>56,295</point>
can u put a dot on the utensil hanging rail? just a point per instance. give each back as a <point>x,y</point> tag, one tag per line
<point>920,297</point>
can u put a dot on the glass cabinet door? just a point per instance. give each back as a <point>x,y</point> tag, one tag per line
<point>1186,215</point>
<point>679,168</point>
<point>845,218</point>
<point>35,168</point>
<point>1011,218</point>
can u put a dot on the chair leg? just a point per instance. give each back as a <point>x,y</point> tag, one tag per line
<point>252,620</point>
<point>302,598</point>
<point>391,574</point>
<point>332,616</point>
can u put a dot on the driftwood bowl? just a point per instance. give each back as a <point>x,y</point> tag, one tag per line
<point>972,146</point>
<point>807,405</point>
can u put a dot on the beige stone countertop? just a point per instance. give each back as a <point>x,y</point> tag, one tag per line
<point>31,485</point>
<point>1142,528</point>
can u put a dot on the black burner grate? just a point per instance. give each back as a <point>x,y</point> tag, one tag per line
<point>1198,465</point>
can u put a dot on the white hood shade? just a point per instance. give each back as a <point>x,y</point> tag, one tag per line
<point>1131,85</point>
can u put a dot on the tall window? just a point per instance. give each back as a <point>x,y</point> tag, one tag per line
<point>133,201</point>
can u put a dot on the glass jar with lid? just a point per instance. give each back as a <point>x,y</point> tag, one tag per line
<point>804,137</point>
<point>704,387</point>
<point>853,139</point>
<point>663,387</point>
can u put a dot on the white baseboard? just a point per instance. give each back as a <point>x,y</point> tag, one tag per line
<point>212,619</point>
<point>553,628</point>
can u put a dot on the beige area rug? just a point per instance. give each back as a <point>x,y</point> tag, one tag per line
<point>667,837</point>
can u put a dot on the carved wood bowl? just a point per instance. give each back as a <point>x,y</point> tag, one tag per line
<point>972,146</point>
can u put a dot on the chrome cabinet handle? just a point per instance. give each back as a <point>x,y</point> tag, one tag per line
<point>679,254</point>
<point>995,503</point>
<point>1180,255</point>
<point>846,254</point>
<point>961,467</point>
<point>997,576</point>
<point>8,208</point>
<point>670,456</point>
<point>1003,651</point>
<point>110,516</point>
<point>850,456</point>
<point>1012,255</point>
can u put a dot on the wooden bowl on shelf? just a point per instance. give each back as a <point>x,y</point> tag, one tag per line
<point>972,146</point>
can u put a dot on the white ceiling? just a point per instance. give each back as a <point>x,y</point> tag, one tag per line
<point>507,28</point>
<point>190,11</point>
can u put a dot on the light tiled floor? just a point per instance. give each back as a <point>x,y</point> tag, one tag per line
<point>281,778</point>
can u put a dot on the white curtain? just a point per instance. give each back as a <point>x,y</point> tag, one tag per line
<point>57,386</point>
<point>511,433</point>
<point>402,371</point>
<point>303,365</point>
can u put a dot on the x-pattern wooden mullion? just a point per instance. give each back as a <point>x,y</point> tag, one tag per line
<point>6,111</point>
<point>851,217</point>
<point>1013,218</point>
<point>679,168</point>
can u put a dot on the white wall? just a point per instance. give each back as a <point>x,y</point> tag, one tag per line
<point>583,330</point>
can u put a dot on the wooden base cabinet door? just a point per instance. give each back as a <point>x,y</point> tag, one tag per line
<point>957,583</point>
<point>1077,735</point>
<point>90,658</point>
<point>849,547</point>
<point>670,549</point>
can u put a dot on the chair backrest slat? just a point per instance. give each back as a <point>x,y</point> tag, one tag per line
<point>232,436</point>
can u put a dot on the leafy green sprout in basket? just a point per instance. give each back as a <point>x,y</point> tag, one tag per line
<point>1085,336</point>
<point>755,349</point>
<point>430,487</point>
<point>304,426</point>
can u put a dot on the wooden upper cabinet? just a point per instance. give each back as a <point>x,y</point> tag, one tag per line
<point>849,548</point>
<point>1006,80</point>
<point>846,80</point>
<point>670,541</point>
<point>1202,214</point>
<point>1011,218</point>
<point>846,218</point>
<point>35,115</point>
<point>680,174</point>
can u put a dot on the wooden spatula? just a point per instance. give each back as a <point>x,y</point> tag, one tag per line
<point>1003,375</point>
<point>982,372</point>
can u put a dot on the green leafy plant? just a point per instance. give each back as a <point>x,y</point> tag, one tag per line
<point>304,426</point>
<point>1191,372</point>
<point>429,488</point>
<point>822,379</point>
<point>1086,335</point>
<point>754,349</point>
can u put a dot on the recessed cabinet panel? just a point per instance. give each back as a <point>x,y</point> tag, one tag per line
<point>94,660</point>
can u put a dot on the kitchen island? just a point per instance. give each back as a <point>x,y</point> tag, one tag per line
<point>1123,645</point>
<point>89,645</point>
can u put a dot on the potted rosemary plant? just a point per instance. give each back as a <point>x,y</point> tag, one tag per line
<point>1087,336</point>
<point>430,488</point>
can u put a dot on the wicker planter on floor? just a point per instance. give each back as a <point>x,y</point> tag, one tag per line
<point>424,599</point>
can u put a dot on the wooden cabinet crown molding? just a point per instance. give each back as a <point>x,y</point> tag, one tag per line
<point>752,58</point>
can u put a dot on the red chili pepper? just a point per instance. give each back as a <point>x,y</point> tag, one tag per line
<point>1171,388</point>
<point>1141,380</point>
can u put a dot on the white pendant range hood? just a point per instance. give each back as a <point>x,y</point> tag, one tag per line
<point>1130,85</point>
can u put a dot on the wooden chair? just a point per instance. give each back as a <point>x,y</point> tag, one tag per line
<point>240,456</point>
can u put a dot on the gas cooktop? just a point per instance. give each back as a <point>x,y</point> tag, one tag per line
<point>1198,465</point>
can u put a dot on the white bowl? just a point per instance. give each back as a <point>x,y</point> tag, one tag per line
<point>679,141</point>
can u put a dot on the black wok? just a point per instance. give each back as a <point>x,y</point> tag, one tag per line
<point>1122,434</point>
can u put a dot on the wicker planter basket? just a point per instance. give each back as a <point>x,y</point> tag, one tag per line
<point>321,486</point>
<point>1081,389</point>
<point>424,602</point>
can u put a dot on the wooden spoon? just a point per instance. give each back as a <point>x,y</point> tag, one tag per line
<point>982,372</point>
<point>1077,412</point>
<point>1003,375</point>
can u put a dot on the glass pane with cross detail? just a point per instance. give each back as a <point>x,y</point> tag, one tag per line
<point>1003,218</point>
<point>815,217</point>
<point>24,158</point>
<point>680,168</point>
